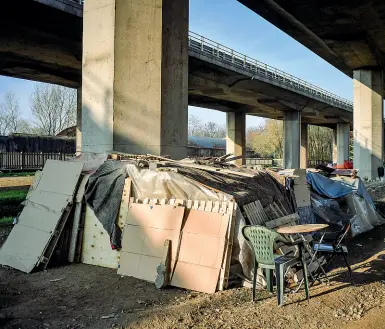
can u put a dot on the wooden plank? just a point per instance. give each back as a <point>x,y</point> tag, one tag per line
<point>189,204</point>
<point>213,169</point>
<point>216,206</point>
<point>254,213</point>
<point>202,206</point>
<point>52,244</point>
<point>282,221</point>
<point>225,270</point>
<point>223,208</point>
<point>74,232</point>
<point>126,195</point>
<point>249,214</point>
<point>209,206</point>
<point>196,205</point>
<point>262,211</point>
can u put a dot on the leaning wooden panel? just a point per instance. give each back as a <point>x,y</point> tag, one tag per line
<point>96,248</point>
<point>30,237</point>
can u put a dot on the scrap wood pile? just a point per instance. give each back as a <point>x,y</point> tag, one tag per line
<point>154,218</point>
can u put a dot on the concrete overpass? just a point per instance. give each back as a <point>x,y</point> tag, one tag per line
<point>350,35</point>
<point>44,43</point>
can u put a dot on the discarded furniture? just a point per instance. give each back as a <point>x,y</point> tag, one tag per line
<point>261,240</point>
<point>335,248</point>
<point>300,230</point>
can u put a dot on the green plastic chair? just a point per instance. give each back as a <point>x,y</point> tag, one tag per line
<point>261,241</point>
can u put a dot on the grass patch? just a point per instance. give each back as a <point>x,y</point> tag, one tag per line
<point>10,202</point>
<point>13,195</point>
<point>17,174</point>
<point>6,221</point>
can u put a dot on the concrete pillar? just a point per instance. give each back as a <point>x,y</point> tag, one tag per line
<point>79,121</point>
<point>334,151</point>
<point>304,146</point>
<point>135,76</point>
<point>343,138</point>
<point>368,122</point>
<point>291,139</point>
<point>236,136</point>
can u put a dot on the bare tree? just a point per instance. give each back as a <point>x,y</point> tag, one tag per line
<point>10,116</point>
<point>53,107</point>
<point>197,127</point>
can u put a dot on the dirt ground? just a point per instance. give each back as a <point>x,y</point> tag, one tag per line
<point>15,183</point>
<point>83,296</point>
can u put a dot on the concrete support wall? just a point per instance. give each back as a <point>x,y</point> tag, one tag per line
<point>304,146</point>
<point>291,139</point>
<point>236,135</point>
<point>79,121</point>
<point>343,138</point>
<point>368,122</point>
<point>135,76</point>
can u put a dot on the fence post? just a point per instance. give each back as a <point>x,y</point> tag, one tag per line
<point>22,160</point>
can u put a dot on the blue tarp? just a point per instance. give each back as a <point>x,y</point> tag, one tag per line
<point>334,189</point>
<point>327,187</point>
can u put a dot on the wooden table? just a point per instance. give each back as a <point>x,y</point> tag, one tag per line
<point>301,229</point>
<point>307,228</point>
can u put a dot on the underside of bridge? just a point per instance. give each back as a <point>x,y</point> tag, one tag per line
<point>350,35</point>
<point>41,41</point>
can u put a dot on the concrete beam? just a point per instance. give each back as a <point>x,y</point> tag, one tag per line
<point>368,132</point>
<point>135,76</point>
<point>291,139</point>
<point>236,136</point>
<point>304,146</point>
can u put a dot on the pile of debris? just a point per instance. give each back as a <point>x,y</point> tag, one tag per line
<point>169,222</point>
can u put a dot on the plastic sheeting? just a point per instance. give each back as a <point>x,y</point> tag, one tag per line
<point>357,210</point>
<point>356,184</point>
<point>169,185</point>
<point>327,187</point>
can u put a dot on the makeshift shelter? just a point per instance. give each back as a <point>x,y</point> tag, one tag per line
<point>150,217</point>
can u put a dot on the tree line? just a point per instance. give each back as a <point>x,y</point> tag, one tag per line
<point>53,109</point>
<point>266,140</point>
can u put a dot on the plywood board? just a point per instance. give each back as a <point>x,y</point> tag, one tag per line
<point>96,249</point>
<point>201,251</point>
<point>60,177</point>
<point>23,248</point>
<point>35,183</point>
<point>38,222</point>
<point>147,227</point>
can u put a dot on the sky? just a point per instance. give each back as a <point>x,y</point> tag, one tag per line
<point>233,25</point>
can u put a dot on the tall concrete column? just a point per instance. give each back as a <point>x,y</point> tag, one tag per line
<point>79,121</point>
<point>291,139</point>
<point>304,146</point>
<point>135,76</point>
<point>236,135</point>
<point>368,122</point>
<point>334,151</point>
<point>343,138</point>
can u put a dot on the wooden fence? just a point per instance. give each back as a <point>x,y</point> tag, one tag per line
<point>28,160</point>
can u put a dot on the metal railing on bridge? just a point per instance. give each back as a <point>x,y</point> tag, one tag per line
<point>229,56</point>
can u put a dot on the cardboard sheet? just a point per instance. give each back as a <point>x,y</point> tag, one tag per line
<point>41,215</point>
<point>96,247</point>
<point>146,229</point>
<point>201,251</point>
